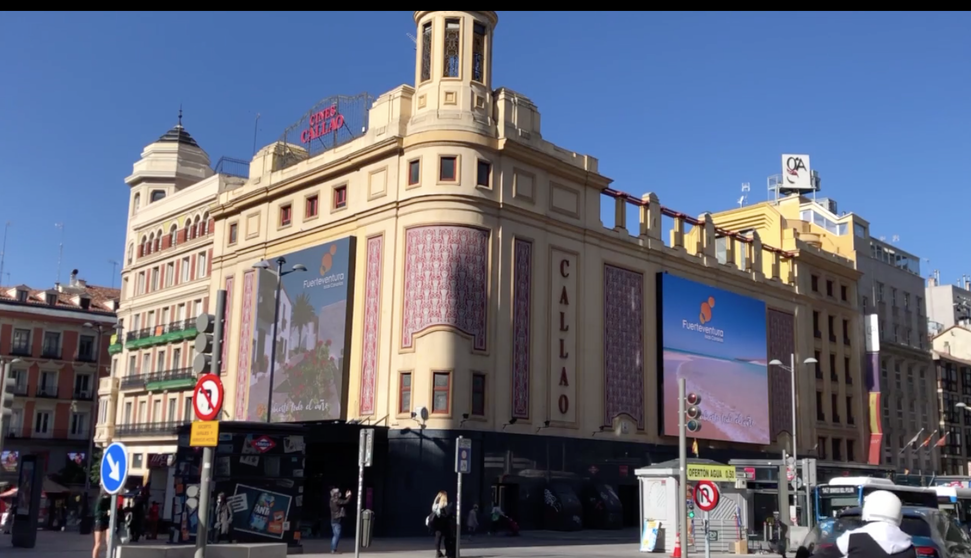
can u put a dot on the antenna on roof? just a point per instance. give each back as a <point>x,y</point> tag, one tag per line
<point>413,39</point>
<point>114,267</point>
<point>60,251</point>
<point>895,238</point>
<point>3,248</point>
<point>745,190</point>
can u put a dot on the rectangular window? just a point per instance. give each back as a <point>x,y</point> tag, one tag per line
<point>169,274</point>
<point>82,386</point>
<point>404,393</point>
<point>847,372</point>
<point>846,332</point>
<point>146,363</point>
<point>446,169</point>
<point>176,360</point>
<point>818,365</point>
<point>820,413</point>
<point>187,409</point>
<point>140,283</point>
<point>233,233</point>
<point>829,288</point>
<point>132,366</point>
<point>426,52</point>
<point>834,407</point>
<point>414,172</point>
<point>202,269</point>
<point>452,48</point>
<point>837,447</point>
<point>128,407</point>
<point>821,448</point>
<point>21,342</point>
<point>843,293</point>
<point>849,410</point>
<point>52,345</point>
<point>816,331</point>
<point>441,392</point>
<point>160,361</point>
<point>142,412</point>
<point>478,52</point>
<point>815,283</point>
<point>340,197</point>
<point>285,215</point>
<point>186,270</point>
<point>483,174</point>
<point>157,410</point>
<point>48,384</point>
<point>154,279</point>
<point>173,405</point>
<point>42,422</point>
<point>478,395</point>
<point>310,209</point>
<point>86,348</point>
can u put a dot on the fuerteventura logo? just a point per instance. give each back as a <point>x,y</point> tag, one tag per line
<point>326,279</point>
<point>705,316</point>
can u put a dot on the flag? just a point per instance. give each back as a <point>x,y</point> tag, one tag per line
<point>940,443</point>
<point>694,447</point>
<point>928,440</point>
<point>912,441</point>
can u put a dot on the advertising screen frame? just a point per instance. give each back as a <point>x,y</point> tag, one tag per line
<point>661,399</point>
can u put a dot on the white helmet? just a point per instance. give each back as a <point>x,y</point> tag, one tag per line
<point>881,505</point>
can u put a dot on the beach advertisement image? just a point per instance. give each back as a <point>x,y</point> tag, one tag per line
<point>311,335</point>
<point>716,341</point>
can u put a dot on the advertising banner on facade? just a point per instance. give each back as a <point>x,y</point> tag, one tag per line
<point>259,512</point>
<point>872,339</point>
<point>309,368</point>
<point>717,341</point>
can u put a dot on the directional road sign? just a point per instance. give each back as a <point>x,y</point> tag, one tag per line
<point>706,495</point>
<point>114,468</point>
<point>207,399</point>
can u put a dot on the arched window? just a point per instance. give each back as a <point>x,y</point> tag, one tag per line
<point>195,228</point>
<point>188,229</point>
<point>158,239</point>
<point>131,252</point>
<point>205,224</point>
<point>157,195</point>
<point>174,233</point>
<point>151,243</point>
<point>135,202</point>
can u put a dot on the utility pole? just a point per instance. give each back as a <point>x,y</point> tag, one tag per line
<point>682,468</point>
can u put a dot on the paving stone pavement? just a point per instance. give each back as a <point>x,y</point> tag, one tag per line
<point>533,544</point>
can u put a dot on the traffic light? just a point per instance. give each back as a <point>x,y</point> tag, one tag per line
<point>692,413</point>
<point>202,362</point>
<point>691,508</point>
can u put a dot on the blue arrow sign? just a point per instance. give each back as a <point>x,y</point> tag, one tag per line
<point>114,468</point>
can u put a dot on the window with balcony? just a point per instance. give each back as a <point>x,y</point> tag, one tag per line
<point>157,411</point>
<point>128,412</point>
<point>146,363</point>
<point>132,366</point>
<point>79,425</point>
<point>43,423</point>
<point>169,274</point>
<point>160,361</point>
<point>86,352</point>
<point>51,347</point>
<point>20,381</point>
<point>187,411</point>
<point>142,412</point>
<point>831,328</point>
<point>177,357</point>
<point>850,450</point>
<point>16,424</point>
<point>404,392</point>
<point>833,376</point>
<point>821,447</point>
<point>82,386</point>
<point>846,332</point>
<point>47,385</point>
<point>20,345</point>
<point>820,413</point>
<point>847,372</point>
<point>172,415</point>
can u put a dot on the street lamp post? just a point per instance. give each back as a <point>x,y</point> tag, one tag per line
<point>276,318</point>
<point>792,372</point>
<point>94,414</point>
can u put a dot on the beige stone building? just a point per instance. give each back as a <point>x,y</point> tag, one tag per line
<point>446,270</point>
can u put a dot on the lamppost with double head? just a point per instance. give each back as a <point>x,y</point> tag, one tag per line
<point>792,371</point>
<point>280,262</point>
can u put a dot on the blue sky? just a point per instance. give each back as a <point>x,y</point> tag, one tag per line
<point>740,317</point>
<point>688,105</point>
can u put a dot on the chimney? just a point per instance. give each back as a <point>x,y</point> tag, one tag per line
<point>931,282</point>
<point>74,277</point>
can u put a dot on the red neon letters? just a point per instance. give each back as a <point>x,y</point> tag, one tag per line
<point>322,123</point>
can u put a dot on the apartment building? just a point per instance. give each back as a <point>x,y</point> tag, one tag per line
<point>832,424</point>
<point>952,359</point>
<point>56,341</point>
<point>165,286</point>
<point>947,305</point>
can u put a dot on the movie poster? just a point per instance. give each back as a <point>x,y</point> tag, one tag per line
<point>260,512</point>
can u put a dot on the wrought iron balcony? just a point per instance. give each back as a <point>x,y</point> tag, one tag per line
<point>83,394</point>
<point>25,432</point>
<point>139,381</point>
<point>20,349</point>
<point>149,428</point>
<point>53,353</point>
<point>49,392</point>
<point>87,357</point>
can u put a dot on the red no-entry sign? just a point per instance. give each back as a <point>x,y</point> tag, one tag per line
<point>706,495</point>
<point>207,399</point>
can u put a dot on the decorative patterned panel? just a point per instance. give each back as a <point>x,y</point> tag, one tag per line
<point>245,345</point>
<point>446,278</point>
<point>522,286</point>
<point>781,335</point>
<point>372,324</point>
<point>226,315</point>
<point>623,345</point>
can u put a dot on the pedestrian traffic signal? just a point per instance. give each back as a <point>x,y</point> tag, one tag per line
<point>202,362</point>
<point>692,412</point>
<point>691,508</point>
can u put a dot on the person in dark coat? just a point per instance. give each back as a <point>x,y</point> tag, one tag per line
<point>880,536</point>
<point>337,514</point>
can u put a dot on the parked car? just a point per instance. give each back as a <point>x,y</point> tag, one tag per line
<point>935,534</point>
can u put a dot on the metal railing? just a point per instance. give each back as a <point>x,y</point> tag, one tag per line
<point>149,428</point>
<point>22,432</point>
<point>84,394</point>
<point>230,166</point>
<point>140,380</point>
<point>145,333</point>
<point>46,391</point>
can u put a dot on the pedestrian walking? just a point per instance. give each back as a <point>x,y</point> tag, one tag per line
<point>337,513</point>
<point>102,511</point>
<point>224,518</point>
<point>472,523</point>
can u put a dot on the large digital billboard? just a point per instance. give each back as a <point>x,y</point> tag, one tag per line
<point>716,341</point>
<point>312,339</point>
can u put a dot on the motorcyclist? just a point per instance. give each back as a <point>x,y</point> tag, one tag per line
<point>880,536</point>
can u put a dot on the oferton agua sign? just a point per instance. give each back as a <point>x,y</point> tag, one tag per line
<point>716,340</point>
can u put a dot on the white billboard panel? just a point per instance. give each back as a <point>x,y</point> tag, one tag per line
<point>796,172</point>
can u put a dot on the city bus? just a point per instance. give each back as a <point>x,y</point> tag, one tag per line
<point>847,492</point>
<point>956,501</point>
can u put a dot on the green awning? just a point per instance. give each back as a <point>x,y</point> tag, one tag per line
<point>163,385</point>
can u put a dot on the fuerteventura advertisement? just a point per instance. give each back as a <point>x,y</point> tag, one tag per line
<point>716,341</point>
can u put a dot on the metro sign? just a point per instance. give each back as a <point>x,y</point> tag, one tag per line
<point>263,444</point>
